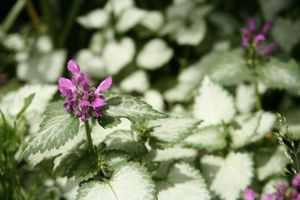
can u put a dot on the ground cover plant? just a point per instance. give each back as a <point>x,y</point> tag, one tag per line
<point>124,99</point>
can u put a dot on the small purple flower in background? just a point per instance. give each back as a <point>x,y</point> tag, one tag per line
<point>283,188</point>
<point>85,101</point>
<point>250,35</point>
<point>249,194</point>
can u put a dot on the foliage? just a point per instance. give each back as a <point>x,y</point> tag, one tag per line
<point>190,112</point>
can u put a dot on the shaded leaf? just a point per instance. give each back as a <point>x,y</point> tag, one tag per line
<point>128,181</point>
<point>56,129</point>
<point>121,105</point>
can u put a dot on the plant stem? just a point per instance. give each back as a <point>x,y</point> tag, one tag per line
<point>297,163</point>
<point>2,116</point>
<point>258,101</point>
<point>33,16</point>
<point>89,138</point>
<point>12,15</point>
<point>69,21</point>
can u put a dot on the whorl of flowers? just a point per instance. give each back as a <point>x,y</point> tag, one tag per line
<point>291,193</point>
<point>82,99</point>
<point>249,36</point>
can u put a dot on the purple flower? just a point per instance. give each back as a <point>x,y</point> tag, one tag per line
<point>297,197</point>
<point>283,188</point>
<point>249,35</point>
<point>258,40</point>
<point>296,182</point>
<point>267,197</point>
<point>82,99</point>
<point>268,49</point>
<point>249,194</point>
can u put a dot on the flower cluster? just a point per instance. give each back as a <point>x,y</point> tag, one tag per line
<point>82,99</point>
<point>249,36</point>
<point>250,194</point>
<point>293,193</point>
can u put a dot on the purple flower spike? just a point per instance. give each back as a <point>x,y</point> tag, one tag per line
<point>268,49</point>
<point>258,40</point>
<point>296,182</point>
<point>267,197</point>
<point>266,28</point>
<point>297,197</point>
<point>82,99</point>
<point>249,194</point>
<point>252,24</point>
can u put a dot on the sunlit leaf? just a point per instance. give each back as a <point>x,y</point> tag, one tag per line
<point>129,18</point>
<point>129,84</point>
<point>128,181</point>
<point>154,54</point>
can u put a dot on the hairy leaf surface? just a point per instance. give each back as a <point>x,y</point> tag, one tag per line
<point>183,181</point>
<point>121,105</point>
<point>128,181</point>
<point>56,129</point>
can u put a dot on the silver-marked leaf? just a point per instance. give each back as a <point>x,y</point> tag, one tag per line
<point>62,154</point>
<point>271,7</point>
<point>129,83</point>
<point>210,137</point>
<point>285,33</point>
<point>117,7</point>
<point>193,34</point>
<point>269,186</point>
<point>125,141</point>
<point>12,103</point>
<point>245,98</point>
<point>114,158</point>
<point>265,126</point>
<point>80,170</point>
<point>128,181</point>
<point>210,167</point>
<point>167,156</point>
<point>97,18</point>
<point>247,125</point>
<point>121,105</point>
<point>270,162</point>
<point>170,131</point>
<point>183,181</point>
<point>230,63</point>
<point>233,176</point>
<point>56,129</point>
<point>213,104</point>
<point>279,74</point>
<point>154,54</point>
<point>153,20</point>
<point>125,50</point>
<point>129,18</point>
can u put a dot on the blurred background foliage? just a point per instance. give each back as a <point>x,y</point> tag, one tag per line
<point>157,50</point>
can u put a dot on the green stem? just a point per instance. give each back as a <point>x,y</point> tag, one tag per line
<point>297,163</point>
<point>258,101</point>
<point>69,22</point>
<point>89,138</point>
<point>3,116</point>
<point>12,15</point>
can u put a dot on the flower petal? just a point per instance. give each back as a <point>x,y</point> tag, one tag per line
<point>64,82</point>
<point>74,67</point>
<point>104,85</point>
<point>84,103</point>
<point>252,24</point>
<point>267,197</point>
<point>249,194</point>
<point>66,92</point>
<point>258,40</point>
<point>266,28</point>
<point>98,102</point>
<point>269,52</point>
